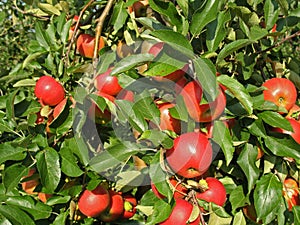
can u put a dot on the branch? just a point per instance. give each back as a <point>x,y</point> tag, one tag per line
<point>99,27</point>
<point>76,28</point>
<point>279,43</point>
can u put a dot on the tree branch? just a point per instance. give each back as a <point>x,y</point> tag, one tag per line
<point>99,28</point>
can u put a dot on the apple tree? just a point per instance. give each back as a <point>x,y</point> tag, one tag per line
<point>150,112</point>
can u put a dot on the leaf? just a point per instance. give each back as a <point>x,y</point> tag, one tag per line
<point>130,62</point>
<point>246,161</point>
<point>257,33</point>
<point>38,210</point>
<point>207,78</point>
<point>31,57</point>
<point>184,6</point>
<point>176,40</point>
<point>237,198</point>
<point>10,152</point>
<point>24,83</point>
<point>69,164</point>
<point>127,180</point>
<point>203,16</point>
<point>48,166</point>
<point>152,24</point>
<point>232,47</point>
<point>161,211</point>
<point>275,120</point>
<point>215,219</point>
<point>15,215</point>
<point>267,195</point>
<point>222,137</point>
<point>113,156</point>
<point>283,147</point>
<point>257,128</point>
<point>41,36</point>
<point>169,10</point>
<point>48,8</point>
<point>238,90</point>
<point>271,13</point>
<point>284,5</point>
<point>216,30</point>
<point>119,16</point>
<point>12,176</point>
<point>157,137</point>
<point>239,219</point>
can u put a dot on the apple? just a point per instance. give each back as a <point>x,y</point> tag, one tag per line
<point>179,85</point>
<point>179,190</point>
<point>156,48</point>
<point>212,190</point>
<point>181,214</point>
<point>126,95</point>
<point>174,76</point>
<point>291,192</point>
<point>92,203</point>
<point>49,91</point>
<point>29,185</point>
<point>167,122</point>
<point>44,197</point>
<point>115,208</point>
<point>129,206</point>
<point>282,92</point>
<point>139,8</point>
<point>85,45</point>
<point>107,84</point>
<point>191,155</point>
<point>295,134</point>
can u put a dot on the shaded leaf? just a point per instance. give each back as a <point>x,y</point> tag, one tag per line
<point>15,215</point>
<point>12,176</point>
<point>69,164</point>
<point>275,120</point>
<point>10,152</point>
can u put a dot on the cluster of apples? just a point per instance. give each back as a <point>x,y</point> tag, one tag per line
<point>106,204</point>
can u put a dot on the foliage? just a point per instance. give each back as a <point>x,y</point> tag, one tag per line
<point>247,42</point>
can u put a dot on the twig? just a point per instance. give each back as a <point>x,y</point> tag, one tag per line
<point>279,43</point>
<point>99,27</point>
<point>75,30</point>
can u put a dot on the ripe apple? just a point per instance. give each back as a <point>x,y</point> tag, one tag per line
<point>291,192</point>
<point>181,214</point>
<point>115,208</point>
<point>167,122</point>
<point>156,48</point>
<point>49,91</point>
<point>179,85</point>
<point>282,92</point>
<point>29,185</point>
<point>179,190</point>
<point>93,202</point>
<point>86,43</point>
<point>129,206</point>
<point>44,197</point>
<point>202,112</point>
<point>212,190</point>
<point>139,8</point>
<point>191,155</point>
<point>59,108</point>
<point>107,84</point>
<point>126,95</point>
<point>295,134</point>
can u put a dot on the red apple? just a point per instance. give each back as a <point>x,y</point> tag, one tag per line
<point>156,48</point>
<point>191,155</point>
<point>295,134</point>
<point>107,84</point>
<point>86,43</point>
<point>179,190</point>
<point>129,206</point>
<point>93,202</point>
<point>181,214</point>
<point>174,76</point>
<point>115,208</point>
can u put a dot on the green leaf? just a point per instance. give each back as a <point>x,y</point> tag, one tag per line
<point>216,31</point>
<point>257,128</point>
<point>296,212</point>
<point>204,16</point>
<point>271,13</point>
<point>237,198</point>
<point>10,152</point>
<point>275,120</point>
<point>157,137</point>
<point>267,195</point>
<point>12,176</point>
<point>31,57</point>
<point>152,24</point>
<point>283,147</point>
<point>119,16</point>
<point>176,40</point>
<point>159,177</point>
<point>161,211</point>
<point>284,5</point>
<point>257,33</point>
<point>61,218</point>
<point>15,215</point>
<point>232,47</point>
<point>222,137</point>
<point>239,219</point>
<point>207,78</point>
<point>246,161</point>
<point>41,36</point>
<point>184,5</point>
<point>69,164</point>
<point>130,62</point>
<point>113,156</point>
<point>169,10</point>
<point>127,180</point>
<point>238,90</point>
<point>216,219</point>
<point>48,8</point>
<point>48,166</point>
<point>37,209</point>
